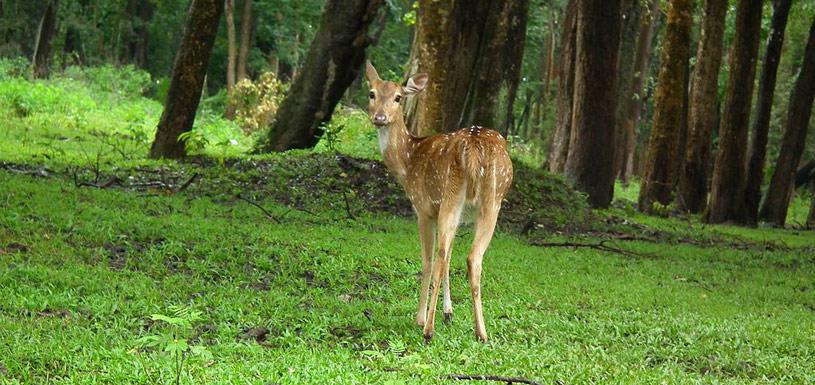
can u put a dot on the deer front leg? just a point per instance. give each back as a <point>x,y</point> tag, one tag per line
<point>427,235</point>
<point>447,304</point>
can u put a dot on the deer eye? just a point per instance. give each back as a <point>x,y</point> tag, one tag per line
<point>398,98</point>
<point>371,95</point>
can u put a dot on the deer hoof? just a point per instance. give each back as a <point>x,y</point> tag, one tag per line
<point>481,337</point>
<point>448,318</point>
<point>428,336</point>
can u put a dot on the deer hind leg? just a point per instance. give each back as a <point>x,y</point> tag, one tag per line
<point>447,303</point>
<point>484,228</point>
<point>449,215</point>
<point>427,235</point>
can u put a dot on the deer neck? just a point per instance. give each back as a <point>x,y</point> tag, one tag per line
<point>395,144</point>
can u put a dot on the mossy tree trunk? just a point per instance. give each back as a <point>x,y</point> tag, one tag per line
<point>187,79</point>
<point>333,61</point>
<point>44,42</point>
<point>631,10</point>
<point>470,49</point>
<point>704,116</point>
<point>589,164</point>
<point>662,160</point>
<point>777,200</point>
<point>633,107</point>
<point>565,91</point>
<point>727,187</point>
<point>231,56</point>
<point>247,32</point>
<point>761,123</point>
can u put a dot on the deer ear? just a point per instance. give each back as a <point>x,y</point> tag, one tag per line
<point>370,72</point>
<point>416,84</point>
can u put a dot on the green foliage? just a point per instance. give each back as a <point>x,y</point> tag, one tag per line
<point>257,102</point>
<point>124,82</point>
<point>171,345</point>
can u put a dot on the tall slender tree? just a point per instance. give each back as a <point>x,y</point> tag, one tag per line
<point>44,42</point>
<point>634,104</point>
<point>727,188</point>
<point>231,56</point>
<point>333,61</point>
<point>187,80</point>
<point>693,179</point>
<point>565,96</point>
<point>247,31</point>
<point>761,123</point>
<point>591,152</point>
<point>777,200</point>
<point>663,149</point>
<point>631,10</point>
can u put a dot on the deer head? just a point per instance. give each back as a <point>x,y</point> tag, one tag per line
<point>385,96</point>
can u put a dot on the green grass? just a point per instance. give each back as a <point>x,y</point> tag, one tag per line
<point>82,271</point>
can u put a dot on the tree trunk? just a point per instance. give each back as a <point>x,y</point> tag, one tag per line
<point>776,202</point>
<point>625,75</point>
<point>497,66</point>
<point>663,149</point>
<point>591,150</point>
<point>231,57</point>
<point>565,97</point>
<point>545,70</point>
<point>333,61</point>
<point>727,188</point>
<point>247,31</point>
<point>761,124</point>
<point>45,36</point>
<point>138,13</point>
<point>187,79</point>
<point>704,116</point>
<point>634,105</point>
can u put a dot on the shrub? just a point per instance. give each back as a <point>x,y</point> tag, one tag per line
<point>257,102</point>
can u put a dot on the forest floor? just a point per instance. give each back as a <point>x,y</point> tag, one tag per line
<point>303,268</point>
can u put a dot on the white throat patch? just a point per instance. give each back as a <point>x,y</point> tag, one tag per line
<point>384,138</point>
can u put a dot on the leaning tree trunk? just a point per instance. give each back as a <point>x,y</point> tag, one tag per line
<point>333,61</point>
<point>727,188</point>
<point>591,153</point>
<point>565,88</point>
<point>776,202</point>
<point>704,118</point>
<point>45,37</point>
<point>247,30</point>
<point>662,160</point>
<point>625,76</point>
<point>761,124</point>
<point>231,56</point>
<point>187,79</point>
<point>634,105</point>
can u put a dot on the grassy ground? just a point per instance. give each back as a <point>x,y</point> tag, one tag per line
<point>321,298</point>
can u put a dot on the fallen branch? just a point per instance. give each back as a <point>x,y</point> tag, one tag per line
<point>189,182</point>
<point>508,380</point>
<point>602,246</point>
<point>112,181</point>
<point>263,209</point>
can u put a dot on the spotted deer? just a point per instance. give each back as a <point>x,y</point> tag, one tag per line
<point>443,175</point>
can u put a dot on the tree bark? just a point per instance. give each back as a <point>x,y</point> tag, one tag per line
<point>704,116</point>
<point>662,159</point>
<point>497,66</point>
<point>44,42</point>
<point>625,76</point>
<point>761,124</point>
<point>727,188</point>
<point>333,61</point>
<point>138,13</point>
<point>634,105</point>
<point>247,31</point>
<point>565,97</point>
<point>231,57</point>
<point>545,69</point>
<point>187,79</point>
<point>776,202</point>
<point>591,150</point>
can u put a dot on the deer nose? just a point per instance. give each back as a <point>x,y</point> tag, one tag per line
<point>379,118</point>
